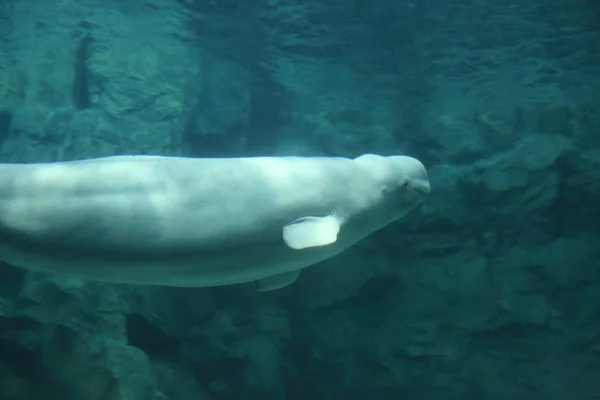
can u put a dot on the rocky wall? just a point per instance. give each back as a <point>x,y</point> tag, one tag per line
<point>490,290</point>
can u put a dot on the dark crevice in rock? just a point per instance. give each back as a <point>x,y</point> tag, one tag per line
<point>11,280</point>
<point>22,374</point>
<point>150,339</point>
<point>575,208</point>
<point>209,373</point>
<point>267,115</point>
<point>308,370</point>
<point>379,287</point>
<point>219,144</point>
<point>17,324</point>
<point>558,211</point>
<point>6,118</point>
<point>81,84</point>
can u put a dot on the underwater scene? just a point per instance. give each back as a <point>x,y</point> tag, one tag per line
<point>299,200</point>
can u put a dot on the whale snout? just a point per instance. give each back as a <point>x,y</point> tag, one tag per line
<point>422,187</point>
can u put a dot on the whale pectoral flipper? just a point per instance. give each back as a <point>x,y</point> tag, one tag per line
<point>308,232</point>
<point>277,281</point>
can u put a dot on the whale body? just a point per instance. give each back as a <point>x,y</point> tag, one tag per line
<point>193,222</point>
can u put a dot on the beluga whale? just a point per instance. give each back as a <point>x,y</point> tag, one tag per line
<point>196,222</point>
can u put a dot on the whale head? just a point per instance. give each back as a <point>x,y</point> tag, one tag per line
<point>403,181</point>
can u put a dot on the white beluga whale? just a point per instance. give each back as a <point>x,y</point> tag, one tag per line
<point>193,222</point>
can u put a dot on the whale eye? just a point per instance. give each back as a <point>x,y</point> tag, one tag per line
<point>406,184</point>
